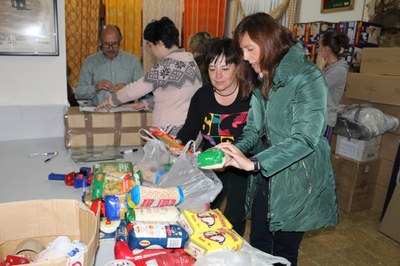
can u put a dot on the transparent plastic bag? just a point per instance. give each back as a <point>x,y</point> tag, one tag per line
<point>363,121</point>
<point>156,160</point>
<point>246,256</point>
<point>199,186</point>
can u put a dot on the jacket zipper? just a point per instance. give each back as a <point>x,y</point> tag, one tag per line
<point>268,198</point>
<point>308,178</point>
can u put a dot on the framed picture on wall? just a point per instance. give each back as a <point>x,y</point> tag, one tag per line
<point>336,5</point>
<point>28,27</point>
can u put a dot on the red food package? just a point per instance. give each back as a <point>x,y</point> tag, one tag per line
<point>14,260</point>
<point>122,251</point>
<point>171,259</point>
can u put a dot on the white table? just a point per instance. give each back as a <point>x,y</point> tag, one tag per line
<point>26,178</point>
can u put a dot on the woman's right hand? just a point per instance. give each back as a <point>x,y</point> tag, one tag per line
<point>238,160</point>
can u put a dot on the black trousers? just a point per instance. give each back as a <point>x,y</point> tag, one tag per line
<point>282,244</point>
<point>234,183</point>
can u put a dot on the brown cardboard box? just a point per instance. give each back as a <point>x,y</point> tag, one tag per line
<point>45,220</point>
<point>390,143</point>
<point>88,129</point>
<point>390,222</point>
<point>359,150</point>
<point>381,61</point>
<point>379,198</point>
<point>355,182</point>
<point>374,88</point>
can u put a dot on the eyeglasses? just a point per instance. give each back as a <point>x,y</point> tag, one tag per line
<point>109,45</point>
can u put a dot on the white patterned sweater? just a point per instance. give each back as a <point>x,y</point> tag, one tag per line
<point>173,80</point>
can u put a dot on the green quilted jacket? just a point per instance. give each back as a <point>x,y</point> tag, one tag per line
<point>297,164</point>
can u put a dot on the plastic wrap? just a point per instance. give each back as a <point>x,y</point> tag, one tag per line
<point>362,121</point>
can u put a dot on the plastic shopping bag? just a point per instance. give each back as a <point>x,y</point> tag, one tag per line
<point>156,160</point>
<point>199,186</point>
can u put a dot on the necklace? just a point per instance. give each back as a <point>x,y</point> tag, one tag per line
<point>226,95</point>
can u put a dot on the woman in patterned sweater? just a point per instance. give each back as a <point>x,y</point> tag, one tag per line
<point>173,79</point>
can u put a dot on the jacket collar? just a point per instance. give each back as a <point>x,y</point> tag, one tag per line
<point>289,66</point>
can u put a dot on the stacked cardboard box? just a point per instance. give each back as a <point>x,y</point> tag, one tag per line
<point>361,34</point>
<point>358,150</point>
<point>378,83</point>
<point>355,182</point>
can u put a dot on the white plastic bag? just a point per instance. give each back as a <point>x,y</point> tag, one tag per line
<point>247,255</point>
<point>199,186</point>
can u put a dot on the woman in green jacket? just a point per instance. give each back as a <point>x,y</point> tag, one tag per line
<point>292,189</point>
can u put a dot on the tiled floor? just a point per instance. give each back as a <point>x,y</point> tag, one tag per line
<point>355,241</point>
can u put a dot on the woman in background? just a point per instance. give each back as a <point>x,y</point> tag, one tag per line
<point>173,79</point>
<point>198,45</point>
<point>335,72</point>
<point>219,111</point>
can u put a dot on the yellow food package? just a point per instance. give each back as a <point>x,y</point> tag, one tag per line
<point>203,221</point>
<point>202,243</point>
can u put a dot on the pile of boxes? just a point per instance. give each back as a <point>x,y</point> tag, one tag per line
<point>361,34</point>
<point>363,168</point>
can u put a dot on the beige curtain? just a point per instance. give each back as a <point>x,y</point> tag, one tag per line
<point>155,9</point>
<point>284,11</point>
<point>127,15</point>
<point>82,27</point>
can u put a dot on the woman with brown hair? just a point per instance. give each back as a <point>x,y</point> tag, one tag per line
<point>292,188</point>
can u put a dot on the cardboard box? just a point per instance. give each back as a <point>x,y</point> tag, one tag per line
<point>310,51</point>
<point>359,150</point>
<point>390,222</point>
<point>88,129</point>
<point>373,88</point>
<point>45,220</point>
<point>353,56</point>
<point>301,31</point>
<point>319,28</point>
<point>355,183</point>
<point>385,61</point>
<point>360,33</point>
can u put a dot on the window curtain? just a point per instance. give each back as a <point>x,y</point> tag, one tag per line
<point>285,11</point>
<point>82,27</point>
<point>127,15</point>
<point>204,15</point>
<point>155,9</point>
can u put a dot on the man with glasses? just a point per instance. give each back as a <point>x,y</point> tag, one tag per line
<point>108,70</point>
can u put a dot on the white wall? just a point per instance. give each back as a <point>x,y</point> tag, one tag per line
<point>33,92</point>
<point>310,10</point>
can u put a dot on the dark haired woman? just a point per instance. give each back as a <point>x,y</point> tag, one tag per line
<point>219,112</point>
<point>173,79</point>
<point>335,72</point>
<point>292,189</point>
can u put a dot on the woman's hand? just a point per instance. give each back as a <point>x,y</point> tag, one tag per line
<point>238,159</point>
<point>321,59</point>
<point>105,105</point>
<point>134,106</point>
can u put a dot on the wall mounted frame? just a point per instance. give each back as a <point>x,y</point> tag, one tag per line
<point>328,6</point>
<point>29,27</point>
